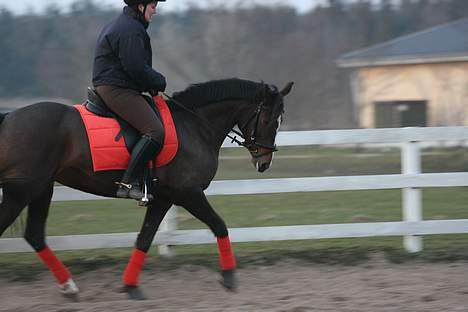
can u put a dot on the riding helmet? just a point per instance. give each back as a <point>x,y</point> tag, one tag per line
<point>136,2</point>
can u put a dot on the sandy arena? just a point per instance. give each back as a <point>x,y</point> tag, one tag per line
<point>290,285</point>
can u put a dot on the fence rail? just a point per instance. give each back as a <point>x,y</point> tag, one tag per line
<point>241,235</point>
<point>410,181</point>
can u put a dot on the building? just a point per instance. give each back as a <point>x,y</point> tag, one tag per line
<point>419,79</point>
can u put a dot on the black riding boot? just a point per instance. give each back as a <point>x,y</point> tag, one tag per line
<point>145,150</point>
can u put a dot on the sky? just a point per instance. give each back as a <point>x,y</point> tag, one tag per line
<point>38,6</point>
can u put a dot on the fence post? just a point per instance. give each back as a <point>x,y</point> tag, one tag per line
<point>168,225</point>
<point>411,196</point>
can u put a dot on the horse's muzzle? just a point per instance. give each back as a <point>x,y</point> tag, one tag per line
<point>262,160</point>
<point>263,167</point>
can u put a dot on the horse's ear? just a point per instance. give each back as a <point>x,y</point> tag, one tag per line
<point>287,89</point>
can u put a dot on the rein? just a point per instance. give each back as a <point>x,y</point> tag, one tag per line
<point>251,143</point>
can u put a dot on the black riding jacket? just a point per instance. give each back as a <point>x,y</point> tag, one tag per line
<point>123,55</point>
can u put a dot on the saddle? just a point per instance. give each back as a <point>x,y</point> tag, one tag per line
<point>111,139</point>
<point>95,104</point>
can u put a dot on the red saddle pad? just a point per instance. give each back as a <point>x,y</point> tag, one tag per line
<point>108,154</point>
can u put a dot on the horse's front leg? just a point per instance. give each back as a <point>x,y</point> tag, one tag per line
<point>197,204</point>
<point>154,215</point>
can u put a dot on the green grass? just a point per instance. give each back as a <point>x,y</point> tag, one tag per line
<point>339,161</point>
<point>112,216</point>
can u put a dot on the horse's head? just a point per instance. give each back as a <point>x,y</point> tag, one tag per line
<point>260,124</point>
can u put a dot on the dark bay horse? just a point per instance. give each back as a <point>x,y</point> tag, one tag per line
<point>46,142</point>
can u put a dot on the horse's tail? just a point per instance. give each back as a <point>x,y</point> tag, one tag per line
<point>2,116</point>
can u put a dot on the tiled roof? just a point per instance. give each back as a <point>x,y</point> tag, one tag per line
<point>444,43</point>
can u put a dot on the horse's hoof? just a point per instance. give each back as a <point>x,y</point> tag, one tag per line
<point>69,290</point>
<point>134,293</point>
<point>229,280</point>
<point>69,287</point>
<point>72,297</point>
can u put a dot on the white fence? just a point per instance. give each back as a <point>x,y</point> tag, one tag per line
<point>410,181</point>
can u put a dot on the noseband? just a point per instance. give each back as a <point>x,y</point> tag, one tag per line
<point>251,142</point>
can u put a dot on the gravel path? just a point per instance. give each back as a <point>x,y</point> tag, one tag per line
<point>289,285</point>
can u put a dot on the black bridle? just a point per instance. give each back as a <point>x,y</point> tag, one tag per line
<point>250,143</point>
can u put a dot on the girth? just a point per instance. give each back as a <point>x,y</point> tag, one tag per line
<point>96,105</point>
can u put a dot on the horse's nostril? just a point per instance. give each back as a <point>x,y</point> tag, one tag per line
<point>263,167</point>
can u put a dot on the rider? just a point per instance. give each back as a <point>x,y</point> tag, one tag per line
<point>122,70</point>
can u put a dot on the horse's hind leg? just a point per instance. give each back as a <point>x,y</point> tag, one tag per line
<point>15,198</point>
<point>38,211</point>
<point>197,204</point>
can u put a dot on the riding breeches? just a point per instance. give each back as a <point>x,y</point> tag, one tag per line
<point>129,105</point>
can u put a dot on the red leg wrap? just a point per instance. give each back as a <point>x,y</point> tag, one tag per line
<point>226,255</point>
<point>57,268</point>
<point>134,266</point>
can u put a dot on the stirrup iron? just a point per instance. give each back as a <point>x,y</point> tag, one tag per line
<point>127,186</point>
<point>145,199</point>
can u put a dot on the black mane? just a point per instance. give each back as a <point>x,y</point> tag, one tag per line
<point>200,94</point>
